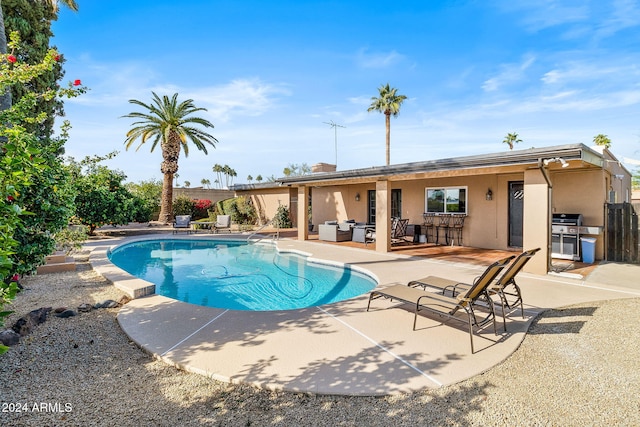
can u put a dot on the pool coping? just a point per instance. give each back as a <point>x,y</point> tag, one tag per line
<point>339,348</point>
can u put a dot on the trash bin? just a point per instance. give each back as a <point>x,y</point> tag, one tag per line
<point>588,247</point>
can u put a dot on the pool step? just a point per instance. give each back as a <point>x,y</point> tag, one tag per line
<point>57,263</point>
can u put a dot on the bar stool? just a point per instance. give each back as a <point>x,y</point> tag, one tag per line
<point>443,223</point>
<point>428,224</point>
<point>455,228</point>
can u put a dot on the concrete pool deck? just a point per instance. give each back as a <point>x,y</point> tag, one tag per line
<point>341,348</point>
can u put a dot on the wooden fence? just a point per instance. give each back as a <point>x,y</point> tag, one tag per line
<point>622,233</point>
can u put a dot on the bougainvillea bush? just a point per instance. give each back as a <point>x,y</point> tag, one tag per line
<point>24,163</point>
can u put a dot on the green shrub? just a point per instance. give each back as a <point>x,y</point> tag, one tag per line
<point>240,208</point>
<point>183,205</point>
<point>282,219</point>
<point>71,238</point>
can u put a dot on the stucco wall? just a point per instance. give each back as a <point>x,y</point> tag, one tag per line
<point>266,201</point>
<point>203,193</point>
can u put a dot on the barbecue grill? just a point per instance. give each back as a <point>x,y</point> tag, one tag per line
<point>565,236</point>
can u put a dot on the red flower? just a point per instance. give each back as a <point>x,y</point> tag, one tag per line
<point>15,277</point>
<point>56,58</point>
<point>77,82</point>
<point>12,59</point>
<point>10,198</point>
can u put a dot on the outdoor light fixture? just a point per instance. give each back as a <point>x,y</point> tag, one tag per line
<point>560,160</point>
<point>357,197</point>
<point>489,195</point>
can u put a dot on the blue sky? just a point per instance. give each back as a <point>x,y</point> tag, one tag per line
<point>271,74</point>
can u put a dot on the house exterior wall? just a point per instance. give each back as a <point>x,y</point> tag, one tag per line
<point>266,201</point>
<point>592,179</point>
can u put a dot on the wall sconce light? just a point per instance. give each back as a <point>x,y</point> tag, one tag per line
<point>489,195</point>
<point>357,197</point>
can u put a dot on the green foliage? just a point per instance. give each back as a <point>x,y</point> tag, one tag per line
<point>602,140</point>
<point>26,163</point>
<point>71,238</point>
<point>241,210</point>
<point>102,197</point>
<point>510,139</point>
<point>282,218</point>
<point>32,21</point>
<point>183,205</point>
<point>148,195</point>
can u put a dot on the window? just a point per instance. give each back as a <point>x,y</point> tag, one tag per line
<point>446,200</point>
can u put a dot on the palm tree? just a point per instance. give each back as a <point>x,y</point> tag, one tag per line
<point>510,139</point>
<point>5,98</point>
<point>603,140</point>
<point>218,169</point>
<point>169,123</point>
<point>388,103</point>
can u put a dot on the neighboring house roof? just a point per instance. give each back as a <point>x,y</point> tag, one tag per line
<point>532,156</point>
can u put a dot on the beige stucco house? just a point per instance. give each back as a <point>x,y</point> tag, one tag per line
<point>509,198</point>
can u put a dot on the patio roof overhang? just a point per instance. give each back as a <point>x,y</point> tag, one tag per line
<point>578,156</point>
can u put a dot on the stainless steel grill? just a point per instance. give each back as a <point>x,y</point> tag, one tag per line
<point>565,236</point>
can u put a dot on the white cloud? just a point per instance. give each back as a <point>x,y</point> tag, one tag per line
<point>240,97</point>
<point>366,59</point>
<point>510,73</point>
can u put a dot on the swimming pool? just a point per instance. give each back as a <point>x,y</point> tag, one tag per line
<point>233,274</point>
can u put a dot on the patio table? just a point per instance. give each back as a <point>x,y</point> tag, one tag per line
<point>203,225</point>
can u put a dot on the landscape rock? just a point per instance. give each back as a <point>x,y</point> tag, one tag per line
<point>9,337</point>
<point>67,313</point>
<point>85,307</point>
<point>59,309</point>
<point>26,323</point>
<point>106,304</point>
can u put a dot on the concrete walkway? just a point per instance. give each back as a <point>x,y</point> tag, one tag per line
<point>341,348</point>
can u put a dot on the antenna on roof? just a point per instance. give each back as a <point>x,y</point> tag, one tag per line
<point>335,127</point>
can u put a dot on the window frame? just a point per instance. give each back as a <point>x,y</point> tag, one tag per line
<point>444,204</point>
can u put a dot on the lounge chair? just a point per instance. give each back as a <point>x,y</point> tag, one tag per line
<point>459,307</point>
<point>507,279</point>
<point>182,223</point>
<point>223,222</point>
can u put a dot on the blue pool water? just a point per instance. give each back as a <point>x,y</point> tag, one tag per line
<point>236,275</point>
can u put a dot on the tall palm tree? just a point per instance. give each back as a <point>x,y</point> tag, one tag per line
<point>511,139</point>
<point>169,123</point>
<point>5,98</point>
<point>389,103</point>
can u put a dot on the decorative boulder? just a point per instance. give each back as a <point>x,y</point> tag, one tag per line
<point>26,323</point>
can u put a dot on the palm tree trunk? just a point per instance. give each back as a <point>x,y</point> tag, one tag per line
<point>167,199</point>
<point>387,115</point>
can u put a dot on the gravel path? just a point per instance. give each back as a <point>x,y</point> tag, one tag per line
<point>576,367</point>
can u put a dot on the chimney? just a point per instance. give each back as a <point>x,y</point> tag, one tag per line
<point>323,167</point>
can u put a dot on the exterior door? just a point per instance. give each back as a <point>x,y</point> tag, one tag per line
<point>516,213</point>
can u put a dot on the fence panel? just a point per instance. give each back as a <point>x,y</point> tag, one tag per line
<point>622,233</point>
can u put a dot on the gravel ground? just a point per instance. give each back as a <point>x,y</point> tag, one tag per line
<point>576,367</point>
